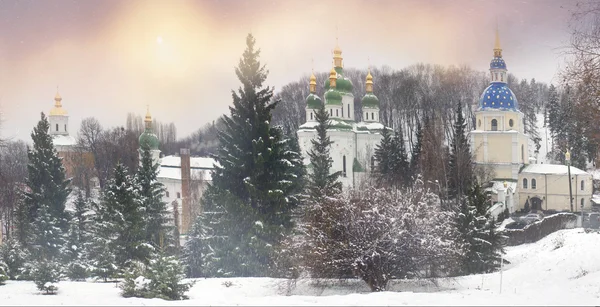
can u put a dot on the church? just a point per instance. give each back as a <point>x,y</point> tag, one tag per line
<point>499,143</point>
<point>354,141</point>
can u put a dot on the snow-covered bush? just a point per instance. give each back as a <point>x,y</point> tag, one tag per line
<point>3,273</point>
<point>46,275</point>
<point>14,257</point>
<point>161,278</point>
<point>377,234</point>
<point>77,270</point>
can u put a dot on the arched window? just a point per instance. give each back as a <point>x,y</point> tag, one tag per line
<point>348,110</point>
<point>533,184</point>
<point>582,203</point>
<point>57,127</point>
<point>511,122</point>
<point>582,185</point>
<point>367,115</point>
<point>330,112</point>
<point>522,154</point>
<point>167,194</point>
<point>496,77</point>
<point>494,125</point>
<point>524,183</point>
<point>344,166</point>
<point>502,77</point>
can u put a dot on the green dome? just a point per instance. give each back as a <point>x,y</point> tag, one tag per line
<point>313,101</point>
<point>370,101</point>
<point>342,83</point>
<point>147,138</point>
<point>333,97</point>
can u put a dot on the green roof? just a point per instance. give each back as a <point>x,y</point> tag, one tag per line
<point>370,101</point>
<point>342,83</point>
<point>333,97</point>
<point>147,138</point>
<point>356,167</point>
<point>313,101</point>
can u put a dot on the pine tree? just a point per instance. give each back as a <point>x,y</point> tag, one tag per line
<point>460,161</point>
<point>195,249</point>
<point>416,152</point>
<point>384,155</point>
<point>14,256</point>
<point>49,240</point>
<point>46,275</point>
<point>3,273</point>
<point>255,174</point>
<point>151,192</point>
<point>103,247</point>
<point>322,183</point>
<point>46,178</point>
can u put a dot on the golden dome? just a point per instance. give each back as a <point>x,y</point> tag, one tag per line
<point>333,73</point>
<point>313,83</point>
<point>58,110</point>
<point>369,77</point>
<point>313,79</point>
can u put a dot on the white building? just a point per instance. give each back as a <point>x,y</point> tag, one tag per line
<point>59,127</point>
<point>354,141</point>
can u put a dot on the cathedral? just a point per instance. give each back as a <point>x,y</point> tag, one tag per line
<point>354,141</point>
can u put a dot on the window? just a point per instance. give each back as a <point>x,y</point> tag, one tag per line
<point>511,122</point>
<point>57,127</point>
<point>533,184</point>
<point>524,183</point>
<point>479,123</point>
<point>178,195</point>
<point>582,203</point>
<point>367,115</point>
<point>167,193</point>
<point>494,125</point>
<point>582,185</point>
<point>311,116</point>
<point>342,111</point>
<point>337,112</point>
<point>372,116</point>
<point>502,77</point>
<point>344,166</point>
<point>65,127</point>
<point>330,112</point>
<point>348,110</point>
<point>522,153</point>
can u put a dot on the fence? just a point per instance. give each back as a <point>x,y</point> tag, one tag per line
<point>534,232</point>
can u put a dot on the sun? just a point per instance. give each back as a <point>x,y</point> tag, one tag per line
<point>159,40</point>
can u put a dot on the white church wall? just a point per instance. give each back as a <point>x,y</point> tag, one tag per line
<point>59,124</point>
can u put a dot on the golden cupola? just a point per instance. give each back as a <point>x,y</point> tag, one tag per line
<point>332,77</point>
<point>369,83</point>
<point>313,83</point>
<point>148,119</point>
<point>58,109</point>
<point>337,56</point>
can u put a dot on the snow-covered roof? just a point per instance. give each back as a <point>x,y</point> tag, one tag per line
<point>499,184</point>
<point>168,172</point>
<point>345,125</point>
<point>554,169</point>
<point>63,140</point>
<point>195,162</point>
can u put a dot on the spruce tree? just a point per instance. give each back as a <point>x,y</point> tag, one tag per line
<point>255,183</point>
<point>553,110</point>
<point>322,183</point>
<point>151,193</point>
<point>416,152</point>
<point>399,162</point>
<point>46,178</point>
<point>78,238</point>
<point>460,160</point>
<point>384,155</point>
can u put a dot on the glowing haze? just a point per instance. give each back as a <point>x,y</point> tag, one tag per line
<point>111,57</point>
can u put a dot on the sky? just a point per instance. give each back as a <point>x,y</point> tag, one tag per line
<point>111,57</point>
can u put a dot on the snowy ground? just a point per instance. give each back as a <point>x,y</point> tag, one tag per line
<point>561,269</point>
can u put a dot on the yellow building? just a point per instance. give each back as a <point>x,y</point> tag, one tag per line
<point>498,140</point>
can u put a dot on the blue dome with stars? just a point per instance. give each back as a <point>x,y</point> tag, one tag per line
<point>498,96</point>
<point>497,63</point>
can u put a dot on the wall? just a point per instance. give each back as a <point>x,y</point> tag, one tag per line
<point>555,191</point>
<point>534,232</point>
<point>61,121</point>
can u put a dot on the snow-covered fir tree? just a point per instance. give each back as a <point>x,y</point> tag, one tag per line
<point>3,273</point>
<point>46,275</point>
<point>321,182</point>
<point>254,182</point>
<point>483,245</point>
<point>78,239</point>
<point>416,152</point>
<point>151,192</point>
<point>46,180</point>
<point>384,157</point>
<point>400,163</point>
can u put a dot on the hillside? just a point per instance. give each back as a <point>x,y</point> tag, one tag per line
<point>561,269</point>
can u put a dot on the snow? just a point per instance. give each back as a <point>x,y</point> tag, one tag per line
<point>195,162</point>
<point>555,169</point>
<point>175,173</point>
<point>546,141</point>
<point>170,167</point>
<point>560,269</point>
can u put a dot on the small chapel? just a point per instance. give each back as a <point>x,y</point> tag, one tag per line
<point>354,138</point>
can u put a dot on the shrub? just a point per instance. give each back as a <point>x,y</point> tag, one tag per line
<point>46,275</point>
<point>3,274</point>
<point>77,271</point>
<point>161,278</point>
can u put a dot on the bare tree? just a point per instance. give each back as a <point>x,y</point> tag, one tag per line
<point>13,171</point>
